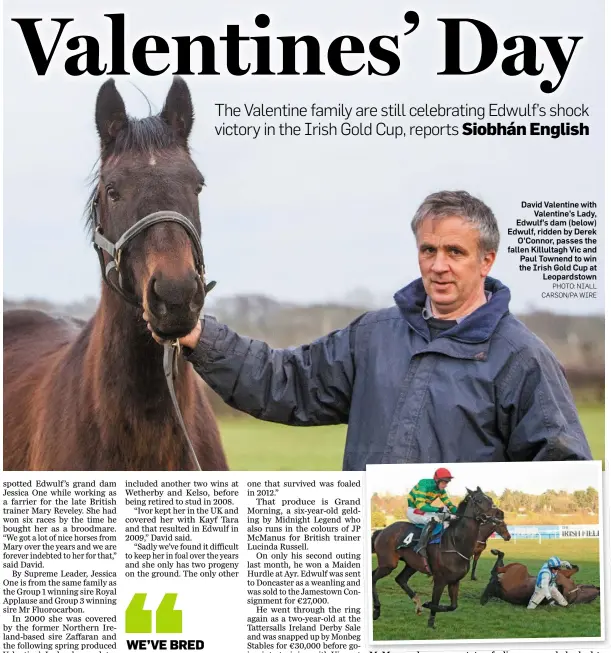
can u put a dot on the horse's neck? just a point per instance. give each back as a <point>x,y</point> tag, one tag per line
<point>127,366</point>
<point>484,532</point>
<point>463,533</point>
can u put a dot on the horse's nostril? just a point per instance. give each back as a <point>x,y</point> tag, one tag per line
<point>156,289</point>
<point>156,302</point>
<point>175,294</point>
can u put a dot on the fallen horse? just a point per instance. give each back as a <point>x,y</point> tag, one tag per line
<point>512,583</point>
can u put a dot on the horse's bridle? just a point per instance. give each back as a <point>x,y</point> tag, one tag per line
<point>486,519</point>
<point>480,519</point>
<point>101,244</point>
<point>483,519</point>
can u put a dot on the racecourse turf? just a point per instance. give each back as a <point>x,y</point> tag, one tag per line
<point>256,445</point>
<point>496,619</point>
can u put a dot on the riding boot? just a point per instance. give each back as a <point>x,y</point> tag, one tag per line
<point>534,602</point>
<point>425,537</point>
<point>423,542</point>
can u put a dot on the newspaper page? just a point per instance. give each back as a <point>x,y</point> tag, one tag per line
<point>303,326</point>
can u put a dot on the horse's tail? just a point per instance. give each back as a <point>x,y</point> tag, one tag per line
<point>374,537</point>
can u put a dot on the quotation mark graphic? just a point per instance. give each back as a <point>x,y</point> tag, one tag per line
<point>139,620</point>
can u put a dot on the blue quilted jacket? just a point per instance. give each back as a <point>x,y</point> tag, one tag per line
<point>485,390</point>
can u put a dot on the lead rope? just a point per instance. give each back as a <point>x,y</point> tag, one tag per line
<point>171,350</point>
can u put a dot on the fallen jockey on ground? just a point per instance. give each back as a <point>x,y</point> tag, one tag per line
<point>546,584</point>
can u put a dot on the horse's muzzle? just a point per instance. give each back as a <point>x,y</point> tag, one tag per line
<point>174,304</point>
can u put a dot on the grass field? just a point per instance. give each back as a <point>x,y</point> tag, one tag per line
<point>496,620</point>
<point>255,445</point>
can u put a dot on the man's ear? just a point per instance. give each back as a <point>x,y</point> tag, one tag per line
<point>487,262</point>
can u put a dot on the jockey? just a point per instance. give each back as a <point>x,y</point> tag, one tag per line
<point>545,586</point>
<point>419,508</point>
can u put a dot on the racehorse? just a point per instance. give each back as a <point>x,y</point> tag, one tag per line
<point>513,584</point>
<point>485,532</point>
<point>448,560</point>
<point>93,396</point>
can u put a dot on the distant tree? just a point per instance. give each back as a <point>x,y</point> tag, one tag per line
<point>580,499</point>
<point>494,496</point>
<point>378,519</point>
<point>592,499</point>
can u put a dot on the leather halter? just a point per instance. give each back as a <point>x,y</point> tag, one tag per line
<point>102,244</point>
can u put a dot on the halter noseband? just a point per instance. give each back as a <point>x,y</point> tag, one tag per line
<point>102,244</point>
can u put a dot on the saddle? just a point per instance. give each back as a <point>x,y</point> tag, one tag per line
<point>412,535</point>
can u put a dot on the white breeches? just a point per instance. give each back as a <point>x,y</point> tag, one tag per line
<point>421,520</point>
<point>539,595</point>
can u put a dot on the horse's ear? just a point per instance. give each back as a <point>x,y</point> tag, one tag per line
<point>178,109</point>
<point>469,492</point>
<point>110,116</point>
<point>479,489</point>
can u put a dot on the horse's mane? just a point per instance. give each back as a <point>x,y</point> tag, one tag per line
<point>140,135</point>
<point>460,510</point>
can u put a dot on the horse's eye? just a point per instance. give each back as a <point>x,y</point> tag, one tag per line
<point>112,193</point>
<point>199,188</point>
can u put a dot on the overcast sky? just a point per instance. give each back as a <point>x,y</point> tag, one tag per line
<point>532,478</point>
<point>299,219</point>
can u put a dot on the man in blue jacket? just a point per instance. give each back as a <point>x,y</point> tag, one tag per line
<point>446,375</point>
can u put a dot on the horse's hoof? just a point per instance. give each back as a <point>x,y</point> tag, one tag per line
<point>473,577</point>
<point>426,605</point>
<point>376,613</point>
<point>495,552</point>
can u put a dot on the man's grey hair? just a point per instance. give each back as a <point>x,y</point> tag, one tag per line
<point>459,203</point>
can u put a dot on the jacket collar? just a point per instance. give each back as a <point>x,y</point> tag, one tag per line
<point>475,329</point>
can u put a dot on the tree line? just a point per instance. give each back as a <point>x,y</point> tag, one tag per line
<point>384,506</point>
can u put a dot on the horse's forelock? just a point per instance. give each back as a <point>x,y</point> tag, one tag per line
<point>147,135</point>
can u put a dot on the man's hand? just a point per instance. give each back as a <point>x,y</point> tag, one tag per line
<point>190,340</point>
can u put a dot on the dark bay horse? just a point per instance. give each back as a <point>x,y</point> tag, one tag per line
<point>93,396</point>
<point>449,560</point>
<point>512,583</point>
<point>485,532</point>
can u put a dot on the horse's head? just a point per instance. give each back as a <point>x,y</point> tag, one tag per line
<point>478,506</point>
<point>146,168</point>
<point>499,524</point>
<point>564,581</point>
<point>573,592</point>
<point>496,524</point>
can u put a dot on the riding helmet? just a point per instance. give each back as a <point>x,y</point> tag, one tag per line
<point>442,474</point>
